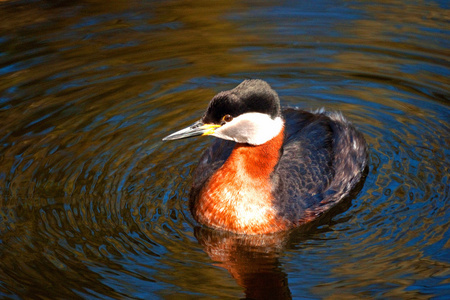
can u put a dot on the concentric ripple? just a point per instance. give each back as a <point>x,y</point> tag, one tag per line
<point>94,205</point>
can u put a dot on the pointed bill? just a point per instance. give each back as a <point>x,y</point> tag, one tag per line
<point>196,129</point>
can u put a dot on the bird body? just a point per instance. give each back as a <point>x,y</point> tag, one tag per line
<point>271,169</point>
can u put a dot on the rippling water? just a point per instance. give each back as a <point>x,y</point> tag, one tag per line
<point>94,205</point>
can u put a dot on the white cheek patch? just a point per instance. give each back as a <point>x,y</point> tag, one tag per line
<point>251,128</point>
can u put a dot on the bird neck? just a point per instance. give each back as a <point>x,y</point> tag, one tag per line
<point>255,162</point>
<point>238,197</point>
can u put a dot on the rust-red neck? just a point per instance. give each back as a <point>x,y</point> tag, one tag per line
<point>257,161</point>
<point>238,197</point>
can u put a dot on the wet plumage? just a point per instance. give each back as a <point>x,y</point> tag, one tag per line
<point>276,175</point>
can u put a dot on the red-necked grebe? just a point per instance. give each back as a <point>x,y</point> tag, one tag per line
<point>272,169</point>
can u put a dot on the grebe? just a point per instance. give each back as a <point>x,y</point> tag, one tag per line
<point>271,169</point>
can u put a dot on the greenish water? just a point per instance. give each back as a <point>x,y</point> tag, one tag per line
<point>93,205</point>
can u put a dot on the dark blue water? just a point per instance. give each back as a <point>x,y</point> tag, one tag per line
<point>93,205</point>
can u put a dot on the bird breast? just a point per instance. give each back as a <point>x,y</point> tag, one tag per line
<point>238,196</point>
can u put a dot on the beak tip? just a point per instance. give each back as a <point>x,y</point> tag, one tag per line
<point>167,138</point>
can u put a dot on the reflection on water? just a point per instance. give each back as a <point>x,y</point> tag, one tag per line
<point>94,205</point>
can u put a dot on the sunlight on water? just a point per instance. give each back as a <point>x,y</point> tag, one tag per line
<point>94,205</point>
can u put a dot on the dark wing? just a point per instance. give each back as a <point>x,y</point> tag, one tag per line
<point>318,165</point>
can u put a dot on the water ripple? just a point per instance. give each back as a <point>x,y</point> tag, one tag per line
<point>94,205</point>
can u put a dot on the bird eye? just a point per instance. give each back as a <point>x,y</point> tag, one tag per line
<point>227,118</point>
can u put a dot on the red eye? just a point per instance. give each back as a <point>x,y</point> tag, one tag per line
<point>227,118</point>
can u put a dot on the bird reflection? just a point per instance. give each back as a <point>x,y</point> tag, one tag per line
<point>252,260</point>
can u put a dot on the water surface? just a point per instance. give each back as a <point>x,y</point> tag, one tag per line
<point>93,204</point>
